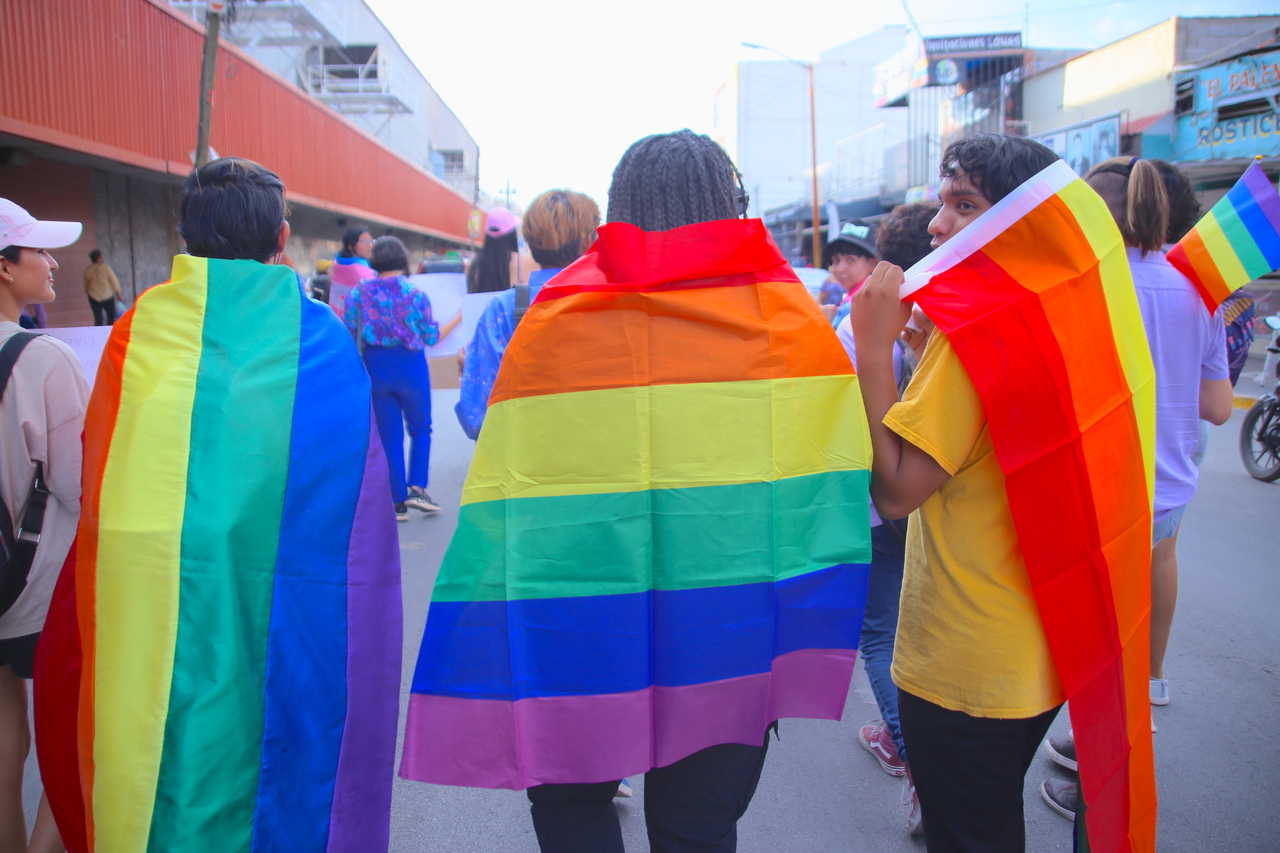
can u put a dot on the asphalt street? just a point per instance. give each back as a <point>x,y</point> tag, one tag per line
<point>1217,751</point>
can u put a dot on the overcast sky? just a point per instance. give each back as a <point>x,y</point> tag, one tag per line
<point>554,91</point>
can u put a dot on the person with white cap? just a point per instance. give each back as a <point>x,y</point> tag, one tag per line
<point>43,395</point>
<point>499,264</point>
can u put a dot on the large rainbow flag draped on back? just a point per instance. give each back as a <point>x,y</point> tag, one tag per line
<point>663,540</point>
<point>1237,241</point>
<point>1037,301</point>
<point>220,671</point>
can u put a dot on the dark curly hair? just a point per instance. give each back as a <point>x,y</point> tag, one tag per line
<point>232,209</point>
<point>903,237</point>
<point>1184,207</point>
<point>996,164</point>
<point>673,179</point>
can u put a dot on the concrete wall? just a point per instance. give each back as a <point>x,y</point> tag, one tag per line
<point>1134,74</point>
<point>50,190</point>
<point>137,228</point>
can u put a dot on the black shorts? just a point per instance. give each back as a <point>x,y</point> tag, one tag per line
<point>19,653</point>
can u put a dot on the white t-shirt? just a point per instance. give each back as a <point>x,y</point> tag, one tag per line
<point>41,420</point>
<point>1187,344</point>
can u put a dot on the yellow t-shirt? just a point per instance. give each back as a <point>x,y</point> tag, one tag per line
<point>969,632</point>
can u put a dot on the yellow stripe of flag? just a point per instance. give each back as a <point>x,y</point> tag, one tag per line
<point>140,537</point>
<point>1219,247</point>
<point>669,437</point>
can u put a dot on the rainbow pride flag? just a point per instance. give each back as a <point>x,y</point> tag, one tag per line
<point>221,663</point>
<point>1237,241</point>
<point>664,538</point>
<point>1036,298</point>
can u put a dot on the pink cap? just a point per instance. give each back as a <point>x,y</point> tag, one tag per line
<point>500,221</point>
<point>19,228</point>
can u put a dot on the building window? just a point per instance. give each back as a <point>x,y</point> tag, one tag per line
<point>454,162</point>
<point>1184,96</point>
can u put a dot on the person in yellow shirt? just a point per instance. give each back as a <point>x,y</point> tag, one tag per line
<point>103,289</point>
<point>978,688</point>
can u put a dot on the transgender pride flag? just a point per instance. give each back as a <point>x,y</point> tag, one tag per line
<point>663,540</point>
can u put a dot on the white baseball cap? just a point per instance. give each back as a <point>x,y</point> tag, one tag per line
<point>19,228</point>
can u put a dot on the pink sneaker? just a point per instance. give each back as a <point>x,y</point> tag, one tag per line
<point>876,740</point>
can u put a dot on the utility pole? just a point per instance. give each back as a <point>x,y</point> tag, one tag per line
<point>507,193</point>
<point>208,71</point>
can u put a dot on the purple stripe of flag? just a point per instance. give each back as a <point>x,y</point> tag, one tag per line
<point>1263,193</point>
<point>359,821</point>
<point>494,743</point>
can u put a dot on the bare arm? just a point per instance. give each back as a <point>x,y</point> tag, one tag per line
<point>902,475</point>
<point>446,328</point>
<point>1216,399</point>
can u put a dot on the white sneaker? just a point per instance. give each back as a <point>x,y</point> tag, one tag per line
<point>915,824</point>
<point>624,789</point>
<point>1159,691</point>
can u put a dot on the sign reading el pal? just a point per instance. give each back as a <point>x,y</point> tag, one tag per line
<point>1229,110</point>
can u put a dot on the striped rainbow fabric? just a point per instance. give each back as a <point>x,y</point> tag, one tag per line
<point>1237,241</point>
<point>663,540</point>
<point>1036,298</point>
<point>220,667</point>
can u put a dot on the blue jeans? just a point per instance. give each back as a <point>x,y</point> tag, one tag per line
<point>880,622</point>
<point>402,397</point>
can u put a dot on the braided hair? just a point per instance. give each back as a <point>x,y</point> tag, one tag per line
<point>668,180</point>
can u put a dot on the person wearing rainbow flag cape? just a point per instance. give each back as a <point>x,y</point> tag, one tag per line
<point>220,667</point>
<point>1023,447</point>
<point>664,538</point>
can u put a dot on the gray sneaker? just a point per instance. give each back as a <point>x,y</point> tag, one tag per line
<point>402,514</point>
<point>1063,751</point>
<point>418,499</point>
<point>1061,796</point>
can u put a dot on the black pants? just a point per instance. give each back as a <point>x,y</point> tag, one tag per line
<point>692,806</point>
<point>104,311</point>
<point>968,772</point>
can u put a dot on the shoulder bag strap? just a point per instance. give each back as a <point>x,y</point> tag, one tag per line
<point>522,302</point>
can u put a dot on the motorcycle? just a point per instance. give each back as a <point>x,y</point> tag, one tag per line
<point>1260,432</point>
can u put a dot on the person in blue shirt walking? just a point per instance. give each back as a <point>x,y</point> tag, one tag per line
<point>392,323</point>
<point>558,226</point>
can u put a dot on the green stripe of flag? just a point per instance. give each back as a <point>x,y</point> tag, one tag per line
<point>618,543</point>
<point>1242,242</point>
<point>240,431</point>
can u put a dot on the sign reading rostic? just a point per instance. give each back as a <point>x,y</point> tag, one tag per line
<point>1233,109</point>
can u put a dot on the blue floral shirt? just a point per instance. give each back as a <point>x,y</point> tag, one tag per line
<point>393,313</point>
<point>484,354</point>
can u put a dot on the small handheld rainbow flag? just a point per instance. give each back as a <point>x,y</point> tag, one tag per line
<point>1237,241</point>
<point>664,542</point>
<point>1036,298</point>
<point>219,672</point>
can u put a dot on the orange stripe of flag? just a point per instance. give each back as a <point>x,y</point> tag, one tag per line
<point>1192,258</point>
<point>100,423</point>
<point>670,337</point>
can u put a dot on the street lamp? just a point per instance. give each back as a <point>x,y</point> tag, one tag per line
<point>813,144</point>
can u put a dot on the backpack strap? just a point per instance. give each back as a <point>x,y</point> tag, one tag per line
<point>9,356</point>
<point>18,548</point>
<point>522,302</point>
